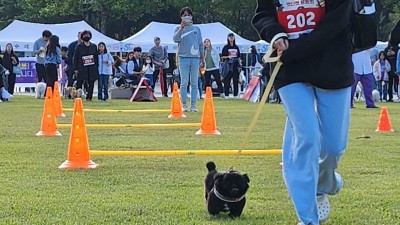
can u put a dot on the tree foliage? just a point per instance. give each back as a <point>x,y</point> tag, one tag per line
<point>122,18</point>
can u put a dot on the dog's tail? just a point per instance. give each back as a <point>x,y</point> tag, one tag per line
<point>210,166</point>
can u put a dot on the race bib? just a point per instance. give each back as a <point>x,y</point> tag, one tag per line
<point>88,60</point>
<point>300,16</point>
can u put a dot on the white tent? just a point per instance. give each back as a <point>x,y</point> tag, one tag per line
<point>22,35</point>
<point>216,32</point>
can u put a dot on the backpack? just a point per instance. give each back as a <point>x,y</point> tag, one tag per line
<point>363,25</point>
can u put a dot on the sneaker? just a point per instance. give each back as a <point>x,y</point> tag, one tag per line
<point>193,109</point>
<point>226,97</point>
<point>324,207</point>
<point>1,101</point>
<point>236,97</point>
<point>184,107</point>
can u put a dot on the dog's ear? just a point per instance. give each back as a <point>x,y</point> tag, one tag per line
<point>218,176</point>
<point>247,178</point>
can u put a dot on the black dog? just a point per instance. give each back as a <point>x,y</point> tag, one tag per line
<point>225,191</point>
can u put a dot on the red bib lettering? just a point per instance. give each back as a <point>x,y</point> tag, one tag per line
<point>88,60</point>
<point>297,18</point>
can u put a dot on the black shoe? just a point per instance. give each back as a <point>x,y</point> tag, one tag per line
<point>372,107</point>
<point>390,100</point>
<point>353,107</point>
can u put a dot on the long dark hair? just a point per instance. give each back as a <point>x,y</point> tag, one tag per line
<point>234,41</point>
<point>381,53</point>
<point>105,47</point>
<point>12,49</point>
<point>54,42</point>
<point>253,50</point>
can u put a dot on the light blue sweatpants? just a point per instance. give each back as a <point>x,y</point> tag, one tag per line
<point>315,139</point>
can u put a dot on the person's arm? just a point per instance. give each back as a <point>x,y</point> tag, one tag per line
<point>265,21</point>
<point>36,49</point>
<point>225,54</point>
<point>201,45</point>
<point>387,65</point>
<point>375,70</point>
<point>333,23</point>
<point>177,33</point>
<point>58,55</point>
<point>130,66</point>
<point>76,58</point>
<point>70,54</point>
<point>110,59</point>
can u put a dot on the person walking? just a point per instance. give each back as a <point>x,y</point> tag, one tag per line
<point>86,63</point>
<point>314,84</point>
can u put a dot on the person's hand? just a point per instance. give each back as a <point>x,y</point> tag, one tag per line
<point>281,44</point>
<point>183,24</point>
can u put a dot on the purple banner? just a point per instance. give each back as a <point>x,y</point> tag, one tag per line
<point>28,70</point>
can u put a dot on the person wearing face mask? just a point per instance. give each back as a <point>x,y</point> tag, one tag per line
<point>231,54</point>
<point>86,63</point>
<point>190,56</point>
<point>39,49</point>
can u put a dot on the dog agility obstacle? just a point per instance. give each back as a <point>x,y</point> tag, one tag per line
<point>185,152</point>
<point>122,110</point>
<point>134,125</point>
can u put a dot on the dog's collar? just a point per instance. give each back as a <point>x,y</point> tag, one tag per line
<point>226,199</point>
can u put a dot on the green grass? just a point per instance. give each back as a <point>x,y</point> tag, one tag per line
<point>169,189</point>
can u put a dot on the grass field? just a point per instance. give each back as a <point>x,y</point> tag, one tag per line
<point>169,189</point>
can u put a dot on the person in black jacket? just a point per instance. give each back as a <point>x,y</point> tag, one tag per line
<point>313,41</point>
<point>70,61</point>
<point>391,54</point>
<point>10,59</point>
<point>86,63</point>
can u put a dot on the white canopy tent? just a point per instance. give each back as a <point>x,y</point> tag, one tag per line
<point>22,35</point>
<point>216,32</point>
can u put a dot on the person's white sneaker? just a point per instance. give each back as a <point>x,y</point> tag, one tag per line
<point>226,97</point>
<point>324,208</point>
<point>1,101</point>
<point>236,97</point>
<point>193,108</point>
<point>184,107</point>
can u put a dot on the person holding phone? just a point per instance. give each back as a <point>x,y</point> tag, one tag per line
<point>190,55</point>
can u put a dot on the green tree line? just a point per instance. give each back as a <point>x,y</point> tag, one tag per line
<point>120,19</point>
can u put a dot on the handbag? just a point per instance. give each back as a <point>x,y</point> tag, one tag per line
<point>17,70</point>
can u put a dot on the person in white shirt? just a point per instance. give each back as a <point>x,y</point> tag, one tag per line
<point>363,73</point>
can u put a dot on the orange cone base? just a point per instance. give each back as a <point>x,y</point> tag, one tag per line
<point>61,115</point>
<point>176,116</point>
<point>202,132</point>
<point>78,165</point>
<point>378,130</point>
<point>48,134</point>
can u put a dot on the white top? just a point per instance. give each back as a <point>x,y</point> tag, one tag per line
<point>362,63</point>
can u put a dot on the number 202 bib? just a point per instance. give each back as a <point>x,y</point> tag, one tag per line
<point>300,16</point>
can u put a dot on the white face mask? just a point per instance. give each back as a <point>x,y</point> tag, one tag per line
<point>187,19</point>
<point>148,61</point>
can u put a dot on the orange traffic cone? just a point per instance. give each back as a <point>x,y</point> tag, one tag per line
<point>384,124</point>
<point>176,105</point>
<point>78,149</point>
<point>49,126</point>
<point>57,101</point>
<point>208,122</point>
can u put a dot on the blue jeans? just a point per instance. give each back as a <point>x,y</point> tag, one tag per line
<point>383,92</point>
<point>315,138</point>
<point>189,70</point>
<point>150,79</point>
<point>103,86</point>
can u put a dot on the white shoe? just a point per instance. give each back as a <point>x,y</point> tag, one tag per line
<point>324,208</point>
<point>184,107</point>
<point>236,97</point>
<point>4,93</point>
<point>226,97</point>
<point>1,101</point>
